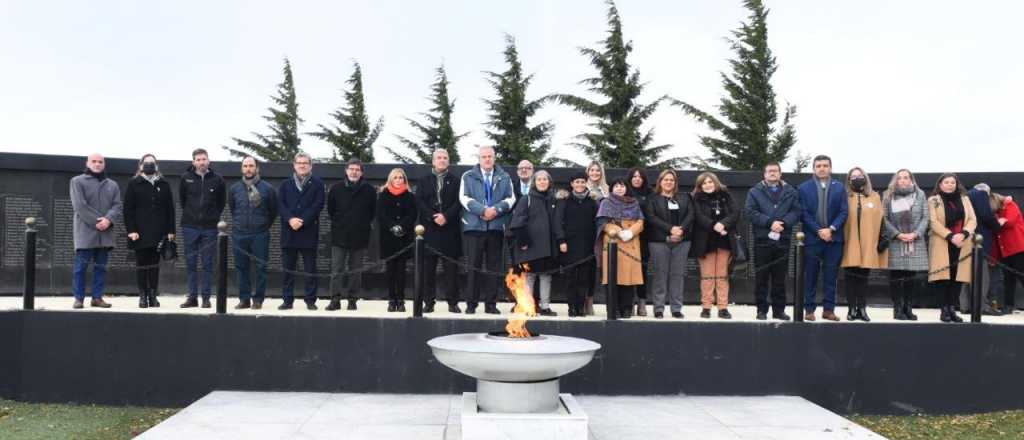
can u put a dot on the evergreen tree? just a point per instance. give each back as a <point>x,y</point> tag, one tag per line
<point>510,113</point>
<point>437,132</point>
<point>746,137</point>
<point>351,135</point>
<point>618,141</point>
<point>283,142</point>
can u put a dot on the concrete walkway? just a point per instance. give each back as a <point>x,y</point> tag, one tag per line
<point>378,309</point>
<point>313,416</point>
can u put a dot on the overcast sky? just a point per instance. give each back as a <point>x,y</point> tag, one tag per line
<point>925,84</point>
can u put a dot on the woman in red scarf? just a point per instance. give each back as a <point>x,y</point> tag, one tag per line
<point>396,216</point>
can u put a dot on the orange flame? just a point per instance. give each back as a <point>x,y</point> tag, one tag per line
<point>525,307</point>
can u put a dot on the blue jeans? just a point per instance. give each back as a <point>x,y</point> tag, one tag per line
<point>256,245</point>
<point>817,257</point>
<point>99,276</point>
<point>199,244</point>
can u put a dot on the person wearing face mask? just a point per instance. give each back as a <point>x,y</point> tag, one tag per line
<point>539,238</point>
<point>203,196</point>
<point>253,204</point>
<point>576,211</point>
<point>148,219</point>
<point>906,225</point>
<point>396,215</point>
<point>96,201</point>
<point>861,250</point>
<point>619,217</point>
<point>715,218</point>
<point>950,250</point>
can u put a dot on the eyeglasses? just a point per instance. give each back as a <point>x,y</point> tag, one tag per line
<point>303,163</point>
<point>525,168</point>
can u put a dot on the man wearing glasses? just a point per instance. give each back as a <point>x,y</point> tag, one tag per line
<point>301,198</point>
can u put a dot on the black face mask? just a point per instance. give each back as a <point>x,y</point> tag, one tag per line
<point>858,184</point>
<point>149,168</point>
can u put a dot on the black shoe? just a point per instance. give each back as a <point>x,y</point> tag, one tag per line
<point>243,305</point>
<point>257,305</point>
<point>285,306</point>
<point>781,316</point>
<point>454,308</point>
<point>677,315</point>
<point>724,314</point>
<point>852,313</point>
<point>762,316</point>
<point>864,314</point>
<point>659,315</point>
<point>547,312</point>
<point>392,307</point>
<point>470,309</point>
<point>190,302</point>
<point>351,305</point>
<point>206,303</point>
<point>428,307</point>
<point>143,300</point>
<point>953,316</point>
<point>152,299</point>
<point>335,304</point>
<point>311,306</point>
<point>491,309</point>
<point>944,314</point>
<point>898,311</point>
<point>706,313</point>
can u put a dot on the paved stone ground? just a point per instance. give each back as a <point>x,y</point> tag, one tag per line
<point>378,309</point>
<point>314,416</point>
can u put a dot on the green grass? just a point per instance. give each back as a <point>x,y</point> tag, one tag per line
<point>30,421</point>
<point>989,426</point>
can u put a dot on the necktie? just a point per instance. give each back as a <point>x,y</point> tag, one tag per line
<point>487,187</point>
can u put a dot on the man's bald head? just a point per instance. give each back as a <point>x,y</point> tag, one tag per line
<point>95,163</point>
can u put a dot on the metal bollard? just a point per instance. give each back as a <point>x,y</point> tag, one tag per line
<point>612,289</point>
<point>222,268</point>
<point>978,263</point>
<point>417,278</point>
<point>798,279</point>
<point>29,286</point>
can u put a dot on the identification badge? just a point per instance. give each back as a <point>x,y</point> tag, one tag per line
<point>672,205</point>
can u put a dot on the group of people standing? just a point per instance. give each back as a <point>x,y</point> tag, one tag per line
<point>497,220</point>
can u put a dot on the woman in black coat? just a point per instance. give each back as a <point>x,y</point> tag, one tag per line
<point>149,219</point>
<point>539,237</point>
<point>396,215</point>
<point>641,191</point>
<point>716,216</point>
<point>576,212</point>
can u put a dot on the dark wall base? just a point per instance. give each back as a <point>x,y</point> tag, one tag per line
<point>146,359</point>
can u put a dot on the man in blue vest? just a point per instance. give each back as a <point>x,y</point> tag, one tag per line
<point>487,198</point>
<point>823,212</point>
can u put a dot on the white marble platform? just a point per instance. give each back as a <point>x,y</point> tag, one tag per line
<point>314,416</point>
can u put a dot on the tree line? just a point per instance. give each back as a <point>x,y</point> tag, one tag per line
<point>745,131</point>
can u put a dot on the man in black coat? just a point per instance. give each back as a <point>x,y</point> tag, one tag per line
<point>203,195</point>
<point>351,205</point>
<point>773,208</point>
<point>437,199</point>
<point>991,279</point>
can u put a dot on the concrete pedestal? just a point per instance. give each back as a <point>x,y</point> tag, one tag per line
<point>567,422</point>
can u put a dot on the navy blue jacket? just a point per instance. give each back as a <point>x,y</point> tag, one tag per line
<point>988,224</point>
<point>838,209</point>
<point>306,205</point>
<point>762,211</point>
<point>248,219</point>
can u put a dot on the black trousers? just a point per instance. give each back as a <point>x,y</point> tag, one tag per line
<point>645,256</point>
<point>484,251</point>
<point>395,271</point>
<point>1016,262</point>
<point>290,259</point>
<point>579,283</point>
<point>771,280</point>
<point>901,286</point>
<point>147,272</point>
<point>625,298</point>
<point>451,277</point>
<point>856,286</point>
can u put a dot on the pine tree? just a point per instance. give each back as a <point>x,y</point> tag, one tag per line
<point>746,137</point>
<point>437,132</point>
<point>510,113</point>
<point>283,142</point>
<point>351,134</point>
<point>618,141</point>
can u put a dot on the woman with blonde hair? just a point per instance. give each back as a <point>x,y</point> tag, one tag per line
<point>905,222</point>
<point>861,250</point>
<point>396,216</point>
<point>597,181</point>
<point>715,217</point>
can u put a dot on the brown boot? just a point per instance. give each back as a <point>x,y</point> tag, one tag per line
<point>100,303</point>
<point>809,317</point>
<point>641,307</point>
<point>588,306</point>
<point>829,315</point>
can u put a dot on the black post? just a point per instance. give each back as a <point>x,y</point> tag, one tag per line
<point>417,279</point>
<point>798,279</point>
<point>978,259</point>
<point>611,303</point>
<point>222,268</point>
<point>29,297</point>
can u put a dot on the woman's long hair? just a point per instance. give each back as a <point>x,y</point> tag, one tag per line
<point>891,189</point>
<point>938,184</point>
<point>661,176</point>
<point>603,183</point>
<point>868,189</point>
<point>391,175</point>
<point>705,176</point>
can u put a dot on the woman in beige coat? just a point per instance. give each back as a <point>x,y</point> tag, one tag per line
<point>952,225</point>
<point>619,217</point>
<point>860,250</point>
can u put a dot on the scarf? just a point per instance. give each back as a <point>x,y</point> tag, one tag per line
<point>615,208</point>
<point>398,191</point>
<point>582,195</point>
<point>953,205</point>
<point>101,176</point>
<point>151,178</point>
<point>255,199</point>
<point>300,181</point>
<point>901,209</point>
<point>439,175</point>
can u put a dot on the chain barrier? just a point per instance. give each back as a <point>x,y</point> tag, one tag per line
<point>919,276</point>
<point>468,267</point>
<point>199,268</point>
<point>756,269</point>
<point>329,275</point>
